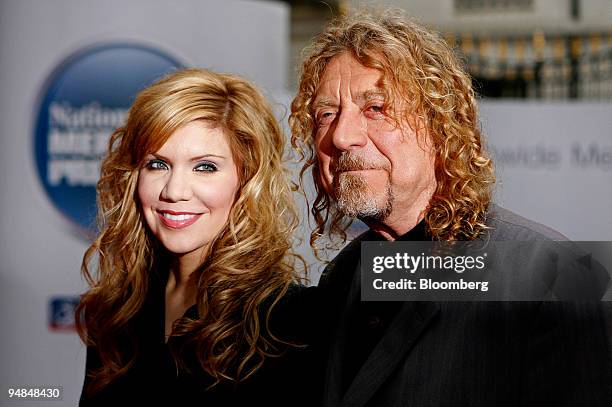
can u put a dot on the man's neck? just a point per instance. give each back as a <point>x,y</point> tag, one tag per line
<point>394,227</point>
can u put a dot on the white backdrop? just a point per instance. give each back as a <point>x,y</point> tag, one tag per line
<point>554,163</point>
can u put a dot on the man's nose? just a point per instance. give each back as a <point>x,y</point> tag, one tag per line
<point>351,130</point>
<point>177,188</point>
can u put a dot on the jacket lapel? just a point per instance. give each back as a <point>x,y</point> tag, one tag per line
<point>402,334</point>
<point>400,337</point>
<point>333,382</point>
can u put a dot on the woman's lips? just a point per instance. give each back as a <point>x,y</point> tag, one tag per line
<point>178,220</point>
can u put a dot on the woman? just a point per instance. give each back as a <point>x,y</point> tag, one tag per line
<point>194,297</point>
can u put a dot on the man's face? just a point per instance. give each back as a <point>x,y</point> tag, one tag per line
<point>372,167</point>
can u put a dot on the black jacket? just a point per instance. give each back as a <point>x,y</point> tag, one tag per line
<point>463,354</point>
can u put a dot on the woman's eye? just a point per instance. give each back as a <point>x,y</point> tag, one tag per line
<point>206,167</point>
<point>156,165</point>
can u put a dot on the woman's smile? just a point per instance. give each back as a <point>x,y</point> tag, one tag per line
<point>178,220</point>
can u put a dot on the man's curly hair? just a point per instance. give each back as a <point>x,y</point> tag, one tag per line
<point>419,70</point>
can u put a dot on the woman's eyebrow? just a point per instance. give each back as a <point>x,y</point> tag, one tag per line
<point>193,159</point>
<point>204,156</point>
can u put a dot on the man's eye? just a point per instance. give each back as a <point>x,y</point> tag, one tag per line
<point>206,167</point>
<point>325,118</point>
<point>375,111</point>
<point>157,165</point>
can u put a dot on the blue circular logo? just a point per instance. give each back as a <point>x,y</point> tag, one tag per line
<point>86,98</point>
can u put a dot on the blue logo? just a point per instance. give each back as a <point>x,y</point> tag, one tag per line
<point>86,98</point>
<point>61,313</point>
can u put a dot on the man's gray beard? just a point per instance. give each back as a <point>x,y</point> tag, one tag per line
<point>355,199</point>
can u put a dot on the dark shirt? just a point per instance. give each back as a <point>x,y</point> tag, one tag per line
<point>370,319</point>
<point>294,378</point>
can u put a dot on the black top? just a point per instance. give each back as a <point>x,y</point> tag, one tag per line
<point>155,378</point>
<point>369,320</point>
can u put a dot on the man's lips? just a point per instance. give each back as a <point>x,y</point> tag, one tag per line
<point>177,220</point>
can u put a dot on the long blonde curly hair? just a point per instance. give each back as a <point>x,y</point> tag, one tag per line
<point>250,264</point>
<point>419,69</point>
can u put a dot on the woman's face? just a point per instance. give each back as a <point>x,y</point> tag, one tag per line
<point>187,188</point>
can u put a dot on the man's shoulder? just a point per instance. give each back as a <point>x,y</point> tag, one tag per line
<point>507,225</point>
<point>353,248</point>
<point>502,225</point>
<point>342,266</point>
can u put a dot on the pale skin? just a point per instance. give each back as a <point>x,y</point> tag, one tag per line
<point>180,291</point>
<point>187,190</point>
<point>348,108</point>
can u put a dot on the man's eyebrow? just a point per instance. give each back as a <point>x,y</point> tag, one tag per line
<point>362,96</point>
<point>371,94</point>
<point>323,102</point>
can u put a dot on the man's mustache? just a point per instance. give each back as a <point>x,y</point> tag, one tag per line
<point>352,162</point>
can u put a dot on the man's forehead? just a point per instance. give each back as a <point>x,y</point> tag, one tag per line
<point>345,75</point>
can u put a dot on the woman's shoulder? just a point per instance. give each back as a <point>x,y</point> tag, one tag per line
<point>292,367</point>
<point>299,318</point>
<point>297,306</point>
<point>298,295</point>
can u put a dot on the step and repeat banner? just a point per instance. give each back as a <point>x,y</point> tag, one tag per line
<point>69,70</point>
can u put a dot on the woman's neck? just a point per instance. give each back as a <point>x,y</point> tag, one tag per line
<point>182,280</point>
<point>181,290</point>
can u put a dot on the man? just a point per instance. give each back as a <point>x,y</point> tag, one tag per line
<point>387,120</point>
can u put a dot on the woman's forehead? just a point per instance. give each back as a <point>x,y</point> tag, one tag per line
<point>196,138</point>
